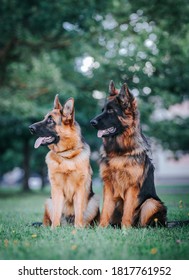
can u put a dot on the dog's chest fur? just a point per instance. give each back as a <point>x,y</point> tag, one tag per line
<point>69,174</point>
<point>125,171</point>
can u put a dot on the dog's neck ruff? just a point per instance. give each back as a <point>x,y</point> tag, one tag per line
<point>69,154</point>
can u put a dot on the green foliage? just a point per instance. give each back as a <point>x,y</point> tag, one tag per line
<point>43,50</point>
<point>169,130</point>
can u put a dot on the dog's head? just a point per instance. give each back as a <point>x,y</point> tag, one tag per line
<point>118,113</point>
<point>49,129</point>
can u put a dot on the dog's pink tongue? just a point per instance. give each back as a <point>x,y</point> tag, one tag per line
<point>100,133</point>
<point>38,142</point>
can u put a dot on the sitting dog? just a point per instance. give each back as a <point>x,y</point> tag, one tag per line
<point>127,172</point>
<point>72,198</point>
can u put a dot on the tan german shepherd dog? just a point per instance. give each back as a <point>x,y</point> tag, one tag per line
<point>72,198</point>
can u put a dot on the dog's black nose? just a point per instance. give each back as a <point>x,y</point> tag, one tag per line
<point>32,129</point>
<point>93,122</point>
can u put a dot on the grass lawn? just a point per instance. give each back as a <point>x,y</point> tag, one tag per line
<point>19,240</point>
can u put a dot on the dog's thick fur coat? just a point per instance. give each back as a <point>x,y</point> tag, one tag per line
<point>72,198</point>
<point>127,172</point>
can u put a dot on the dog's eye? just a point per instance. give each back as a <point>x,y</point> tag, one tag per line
<point>110,111</point>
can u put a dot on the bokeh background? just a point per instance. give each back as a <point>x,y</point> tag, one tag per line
<point>75,48</point>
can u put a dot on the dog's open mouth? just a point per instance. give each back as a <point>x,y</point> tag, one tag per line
<point>43,141</point>
<point>106,132</point>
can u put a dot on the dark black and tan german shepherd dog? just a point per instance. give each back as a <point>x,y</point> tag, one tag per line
<point>69,168</point>
<point>126,169</point>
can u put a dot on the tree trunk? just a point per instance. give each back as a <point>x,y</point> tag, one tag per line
<point>26,165</point>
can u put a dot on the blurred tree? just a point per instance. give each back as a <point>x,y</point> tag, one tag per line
<point>38,50</point>
<point>48,48</point>
<point>146,44</point>
<point>169,82</point>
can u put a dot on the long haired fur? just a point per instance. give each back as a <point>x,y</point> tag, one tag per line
<point>127,172</point>
<point>72,198</point>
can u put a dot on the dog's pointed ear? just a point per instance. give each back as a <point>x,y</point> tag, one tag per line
<point>112,90</point>
<point>57,104</point>
<point>125,96</point>
<point>68,109</point>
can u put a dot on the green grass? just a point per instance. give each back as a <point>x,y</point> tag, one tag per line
<point>19,240</point>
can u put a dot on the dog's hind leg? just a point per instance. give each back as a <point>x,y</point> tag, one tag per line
<point>47,218</point>
<point>152,213</point>
<point>92,212</point>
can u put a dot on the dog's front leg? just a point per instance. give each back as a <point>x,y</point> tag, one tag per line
<point>108,206</point>
<point>57,205</point>
<point>130,204</point>
<point>79,207</point>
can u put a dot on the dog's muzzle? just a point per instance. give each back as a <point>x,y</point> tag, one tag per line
<point>94,122</point>
<point>32,129</point>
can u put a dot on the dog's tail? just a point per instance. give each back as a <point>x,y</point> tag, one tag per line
<point>92,212</point>
<point>173,224</point>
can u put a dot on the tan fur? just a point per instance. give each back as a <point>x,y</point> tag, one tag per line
<point>69,172</point>
<point>120,182</point>
<point>92,209</point>
<point>70,181</point>
<point>148,209</point>
<point>129,197</point>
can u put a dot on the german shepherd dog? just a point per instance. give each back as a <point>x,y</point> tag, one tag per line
<point>130,197</point>
<point>73,200</point>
